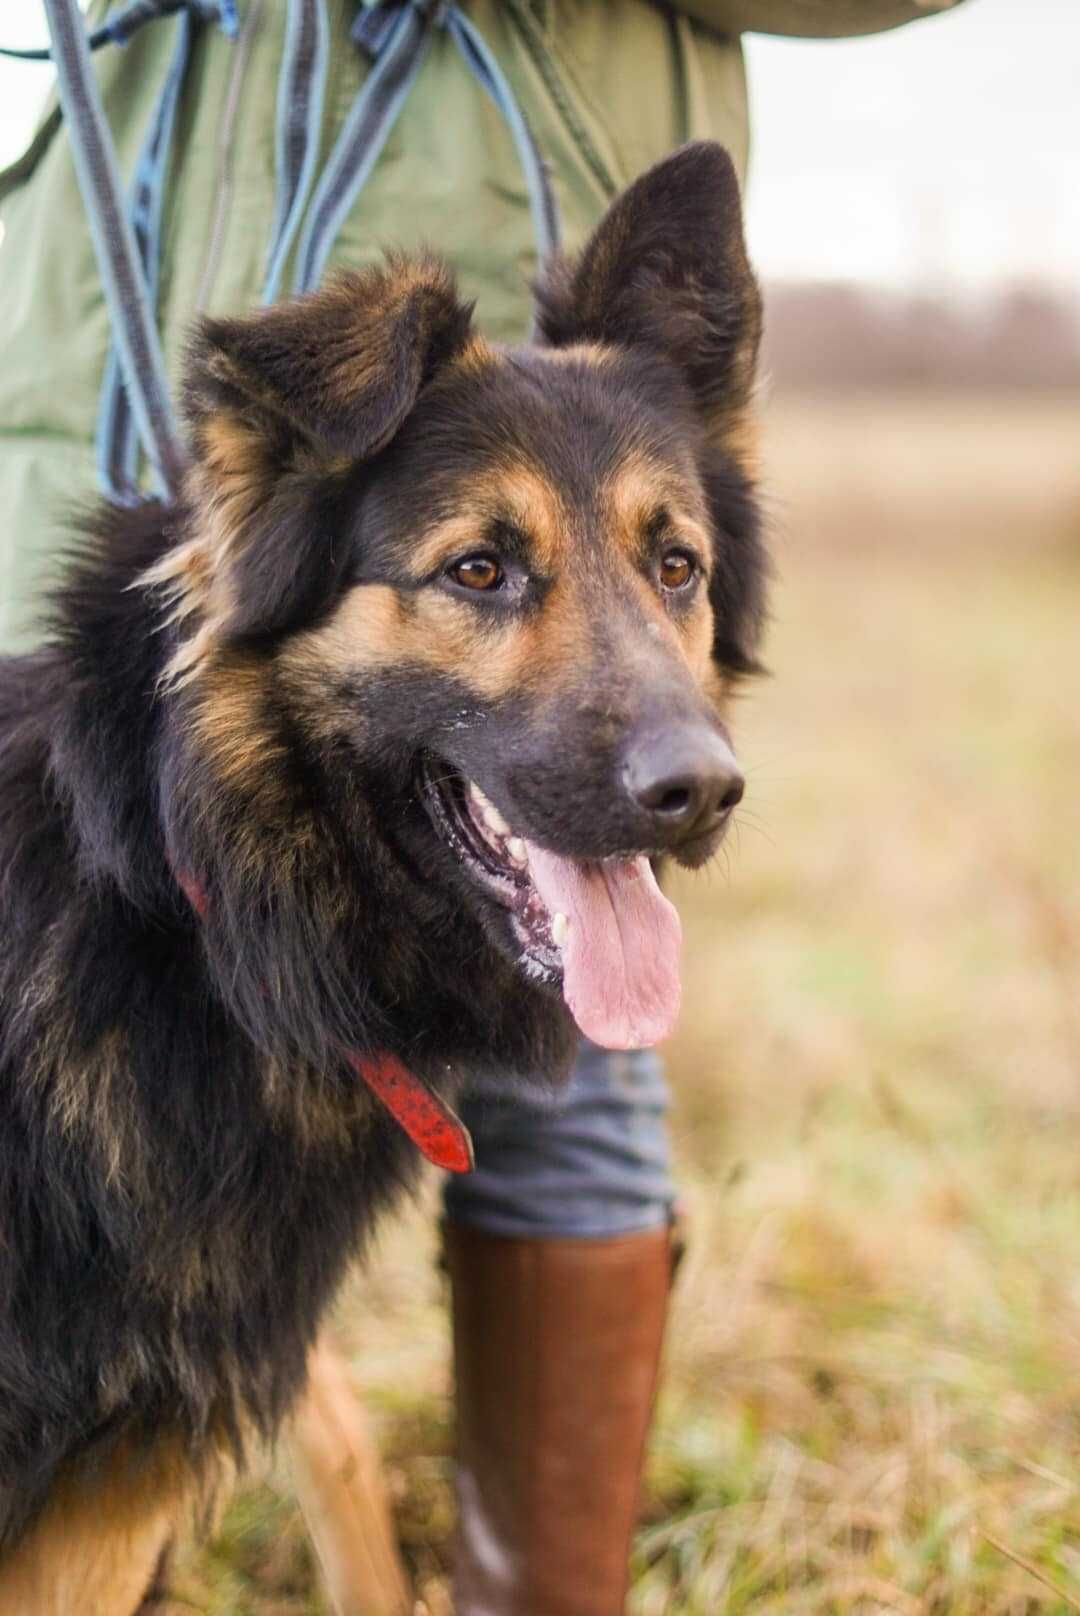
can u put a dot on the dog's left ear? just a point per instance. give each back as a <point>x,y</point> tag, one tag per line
<point>285,404</point>
<point>667,270</point>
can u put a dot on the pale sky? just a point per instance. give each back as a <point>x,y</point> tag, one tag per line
<point>947,152</point>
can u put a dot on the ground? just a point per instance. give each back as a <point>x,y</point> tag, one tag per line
<point>872,1399</point>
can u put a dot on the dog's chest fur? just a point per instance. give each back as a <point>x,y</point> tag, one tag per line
<point>177,1209</point>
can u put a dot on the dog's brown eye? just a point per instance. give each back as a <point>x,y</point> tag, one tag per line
<point>477,572</point>
<point>676,569</point>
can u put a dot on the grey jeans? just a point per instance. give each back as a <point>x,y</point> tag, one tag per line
<point>593,1160</point>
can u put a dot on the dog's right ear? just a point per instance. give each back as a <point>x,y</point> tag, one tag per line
<point>284,405</point>
<point>336,372</point>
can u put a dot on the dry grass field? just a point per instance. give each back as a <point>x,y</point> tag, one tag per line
<point>872,1402</point>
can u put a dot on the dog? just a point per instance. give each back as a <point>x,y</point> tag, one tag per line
<point>336,782</point>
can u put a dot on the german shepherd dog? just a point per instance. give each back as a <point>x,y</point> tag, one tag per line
<point>336,782</point>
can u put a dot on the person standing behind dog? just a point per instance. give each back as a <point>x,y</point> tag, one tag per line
<point>560,1245</point>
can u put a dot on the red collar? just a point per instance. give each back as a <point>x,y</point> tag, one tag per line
<point>433,1126</point>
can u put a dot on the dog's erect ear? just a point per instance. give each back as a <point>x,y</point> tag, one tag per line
<point>666,269</point>
<point>283,405</point>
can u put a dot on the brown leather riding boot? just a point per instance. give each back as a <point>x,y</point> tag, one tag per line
<point>556,1348</point>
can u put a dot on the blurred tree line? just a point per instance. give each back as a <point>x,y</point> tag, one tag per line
<point>841,335</point>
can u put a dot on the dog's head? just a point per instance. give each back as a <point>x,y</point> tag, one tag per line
<point>501,594</point>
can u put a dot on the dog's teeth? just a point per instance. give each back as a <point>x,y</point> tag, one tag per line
<point>560,929</point>
<point>478,796</point>
<point>518,852</point>
<point>495,821</point>
<point>488,811</point>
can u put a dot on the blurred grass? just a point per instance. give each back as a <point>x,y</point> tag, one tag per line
<point>872,1399</point>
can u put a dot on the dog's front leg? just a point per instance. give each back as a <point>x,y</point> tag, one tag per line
<point>339,1485</point>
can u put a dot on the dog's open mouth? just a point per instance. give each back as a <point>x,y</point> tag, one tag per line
<point>602,930</point>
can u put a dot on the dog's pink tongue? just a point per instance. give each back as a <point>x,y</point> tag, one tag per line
<point>621,956</point>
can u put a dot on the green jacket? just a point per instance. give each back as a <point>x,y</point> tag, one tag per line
<point>608,86</point>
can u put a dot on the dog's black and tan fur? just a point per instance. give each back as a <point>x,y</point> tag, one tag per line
<point>245,690</point>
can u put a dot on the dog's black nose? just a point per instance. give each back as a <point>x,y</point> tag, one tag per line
<point>685,778</point>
